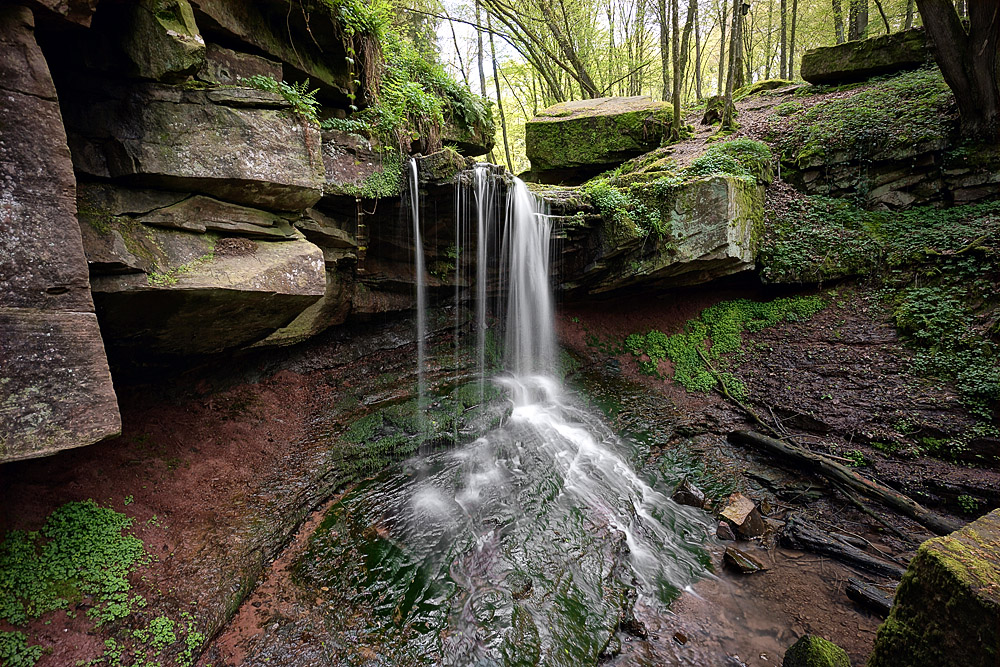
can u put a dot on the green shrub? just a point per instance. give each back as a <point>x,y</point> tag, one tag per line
<point>15,652</point>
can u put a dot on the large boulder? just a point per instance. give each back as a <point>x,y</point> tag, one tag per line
<point>226,66</point>
<point>237,144</point>
<point>589,136</point>
<point>194,276</point>
<point>863,59</point>
<point>55,387</point>
<point>813,651</point>
<point>704,229</point>
<point>357,167</point>
<point>947,609</point>
<point>74,11</point>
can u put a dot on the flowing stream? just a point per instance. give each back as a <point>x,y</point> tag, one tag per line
<point>529,544</point>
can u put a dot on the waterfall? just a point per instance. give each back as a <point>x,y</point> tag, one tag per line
<point>549,496</point>
<point>421,285</point>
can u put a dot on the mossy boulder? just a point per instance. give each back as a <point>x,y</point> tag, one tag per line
<point>590,136</point>
<point>863,59</point>
<point>947,608</point>
<point>761,87</point>
<point>813,651</point>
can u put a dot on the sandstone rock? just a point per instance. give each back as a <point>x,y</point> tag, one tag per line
<point>224,65</point>
<point>239,147</point>
<point>947,608</point>
<point>355,168</point>
<point>714,229</point>
<point>593,134</point>
<point>306,36</point>
<point>742,513</point>
<point>162,40</point>
<point>863,59</point>
<point>469,141</point>
<point>725,532</point>
<point>55,387</point>
<point>687,493</point>
<point>198,293</point>
<point>324,231</point>
<point>199,214</point>
<point>813,651</point>
<point>741,561</point>
<point>331,309</point>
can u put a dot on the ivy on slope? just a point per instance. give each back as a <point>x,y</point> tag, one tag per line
<point>889,113</point>
<point>938,270</point>
<point>84,553</point>
<point>716,336</point>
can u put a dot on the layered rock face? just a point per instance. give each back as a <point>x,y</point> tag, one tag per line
<point>147,189</point>
<point>949,595</point>
<point>712,229</point>
<point>55,386</point>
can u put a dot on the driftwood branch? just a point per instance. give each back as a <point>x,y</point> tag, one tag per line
<point>820,464</point>
<point>801,534</point>
<point>869,596</point>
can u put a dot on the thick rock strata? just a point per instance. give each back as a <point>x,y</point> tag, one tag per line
<point>55,387</point>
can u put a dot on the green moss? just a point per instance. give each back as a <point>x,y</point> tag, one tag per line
<point>553,142</point>
<point>891,114</point>
<point>717,335</point>
<point>813,651</point>
<point>759,87</point>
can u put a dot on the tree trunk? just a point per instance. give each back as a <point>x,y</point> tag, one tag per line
<point>496,82</point>
<point>838,20</point>
<point>736,46</point>
<point>783,71</point>
<point>910,5</point>
<point>661,8</point>
<point>969,62</point>
<point>734,37</point>
<point>885,19</point>
<point>697,58</point>
<point>722,47</point>
<point>857,20</point>
<point>675,44</point>
<point>791,39</point>
<point>804,458</point>
<point>587,86</point>
<point>479,53</point>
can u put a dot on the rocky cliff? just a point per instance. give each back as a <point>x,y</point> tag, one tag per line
<point>158,206</point>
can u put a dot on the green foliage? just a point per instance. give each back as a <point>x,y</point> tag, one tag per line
<point>372,18</point>
<point>968,504</point>
<point>636,210</point>
<point>893,112</point>
<point>743,158</point>
<point>302,99</point>
<point>416,99</point>
<point>935,264</point>
<point>82,552</point>
<point>716,335</point>
<point>15,652</point>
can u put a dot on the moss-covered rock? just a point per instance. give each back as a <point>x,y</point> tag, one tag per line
<point>947,608</point>
<point>760,87</point>
<point>863,59</point>
<point>813,651</point>
<point>162,40</point>
<point>595,133</point>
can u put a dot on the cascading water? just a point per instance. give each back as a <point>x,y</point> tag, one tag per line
<point>531,543</point>
<point>413,184</point>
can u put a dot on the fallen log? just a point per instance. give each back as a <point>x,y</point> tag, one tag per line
<point>869,596</point>
<point>820,464</point>
<point>800,534</point>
